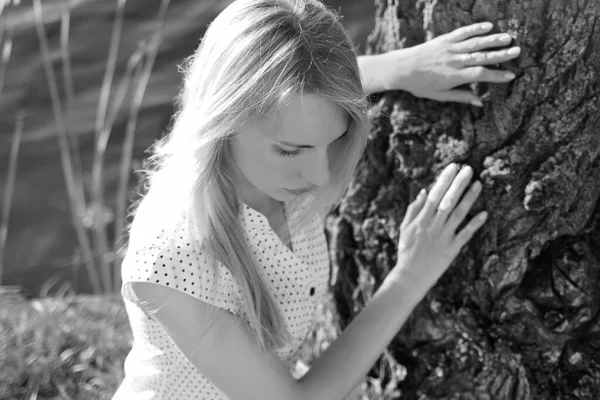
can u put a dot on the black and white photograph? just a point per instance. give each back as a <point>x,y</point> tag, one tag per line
<point>299,200</point>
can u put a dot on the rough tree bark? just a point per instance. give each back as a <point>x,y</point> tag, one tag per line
<point>517,314</point>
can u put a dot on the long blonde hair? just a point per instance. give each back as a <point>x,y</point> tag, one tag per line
<point>254,56</point>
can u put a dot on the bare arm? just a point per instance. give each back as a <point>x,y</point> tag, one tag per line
<point>348,359</point>
<point>375,76</point>
<point>227,355</point>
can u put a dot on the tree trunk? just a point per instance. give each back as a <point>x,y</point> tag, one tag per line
<point>516,316</point>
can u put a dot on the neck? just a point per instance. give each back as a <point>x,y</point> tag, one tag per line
<point>252,196</point>
<point>259,201</point>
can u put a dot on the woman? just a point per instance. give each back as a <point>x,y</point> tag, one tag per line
<point>227,257</point>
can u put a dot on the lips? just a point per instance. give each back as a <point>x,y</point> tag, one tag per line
<point>299,191</point>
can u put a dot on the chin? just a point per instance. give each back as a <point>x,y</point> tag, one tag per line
<point>282,195</point>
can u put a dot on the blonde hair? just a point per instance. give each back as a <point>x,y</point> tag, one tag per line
<point>253,58</point>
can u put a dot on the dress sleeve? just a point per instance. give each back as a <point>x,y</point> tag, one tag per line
<point>173,262</point>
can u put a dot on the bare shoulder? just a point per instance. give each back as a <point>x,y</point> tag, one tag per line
<point>179,313</point>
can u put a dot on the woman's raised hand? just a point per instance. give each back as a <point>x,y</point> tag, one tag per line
<point>435,68</point>
<point>428,239</point>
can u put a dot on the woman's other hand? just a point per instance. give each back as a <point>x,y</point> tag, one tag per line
<point>428,239</point>
<point>432,69</point>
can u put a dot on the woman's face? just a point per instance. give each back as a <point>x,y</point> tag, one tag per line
<point>281,155</point>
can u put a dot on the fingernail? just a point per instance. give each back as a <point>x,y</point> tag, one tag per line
<point>422,193</point>
<point>513,51</point>
<point>505,38</point>
<point>477,103</point>
<point>483,215</point>
<point>509,75</point>
<point>486,25</point>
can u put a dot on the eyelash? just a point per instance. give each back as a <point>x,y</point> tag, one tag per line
<point>286,153</point>
<point>294,153</point>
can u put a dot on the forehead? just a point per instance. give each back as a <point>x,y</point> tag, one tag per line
<point>306,119</point>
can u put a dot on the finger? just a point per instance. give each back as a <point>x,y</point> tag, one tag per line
<point>481,43</point>
<point>460,96</point>
<point>468,31</point>
<point>460,212</point>
<point>459,184</point>
<point>481,74</point>
<point>487,57</point>
<point>469,230</point>
<point>451,197</point>
<point>437,191</point>
<point>414,208</point>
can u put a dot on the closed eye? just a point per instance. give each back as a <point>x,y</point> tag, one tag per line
<point>287,153</point>
<point>308,146</point>
<point>293,153</point>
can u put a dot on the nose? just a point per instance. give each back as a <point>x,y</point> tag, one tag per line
<point>317,169</point>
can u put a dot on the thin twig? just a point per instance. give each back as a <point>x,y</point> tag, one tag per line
<point>136,104</point>
<point>102,136</point>
<point>10,184</point>
<point>111,63</point>
<point>4,5</point>
<point>75,268</point>
<point>65,22</point>
<point>3,12</point>
<point>133,73</point>
<point>5,47</point>
<point>133,68</point>
<point>77,208</point>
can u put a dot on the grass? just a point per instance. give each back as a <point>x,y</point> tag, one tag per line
<point>63,348</point>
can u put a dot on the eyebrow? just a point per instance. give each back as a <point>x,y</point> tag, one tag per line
<point>307,146</point>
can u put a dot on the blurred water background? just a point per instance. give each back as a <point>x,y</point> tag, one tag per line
<point>41,252</point>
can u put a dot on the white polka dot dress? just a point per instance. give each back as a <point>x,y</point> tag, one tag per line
<point>155,369</point>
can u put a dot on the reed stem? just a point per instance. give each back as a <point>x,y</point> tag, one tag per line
<point>102,135</point>
<point>9,187</point>
<point>5,48</point>
<point>127,154</point>
<point>77,207</point>
<point>70,95</point>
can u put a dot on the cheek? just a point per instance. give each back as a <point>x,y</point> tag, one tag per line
<point>259,164</point>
